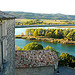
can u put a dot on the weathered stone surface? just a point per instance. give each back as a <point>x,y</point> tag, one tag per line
<point>8,30</point>
<point>10,25</point>
<point>43,70</point>
<point>35,58</point>
<point>4,15</point>
<point>35,62</point>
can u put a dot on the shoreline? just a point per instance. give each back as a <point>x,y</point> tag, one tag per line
<point>53,25</point>
<point>50,40</point>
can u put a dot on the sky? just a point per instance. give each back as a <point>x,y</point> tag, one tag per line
<point>39,6</point>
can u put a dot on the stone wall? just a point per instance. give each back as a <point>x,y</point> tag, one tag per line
<point>44,70</point>
<point>35,62</point>
<point>8,29</point>
<point>35,58</point>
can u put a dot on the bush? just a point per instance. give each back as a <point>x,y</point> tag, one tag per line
<point>50,48</point>
<point>33,46</point>
<point>17,48</point>
<point>66,59</point>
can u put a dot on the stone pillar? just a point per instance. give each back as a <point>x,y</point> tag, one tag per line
<point>9,44</point>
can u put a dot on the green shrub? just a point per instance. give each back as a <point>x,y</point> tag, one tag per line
<point>33,46</point>
<point>50,48</point>
<point>66,59</point>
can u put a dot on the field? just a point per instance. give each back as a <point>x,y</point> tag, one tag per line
<point>23,20</point>
<point>66,27</point>
<point>42,22</point>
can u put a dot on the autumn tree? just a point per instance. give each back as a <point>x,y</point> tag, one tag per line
<point>22,33</point>
<point>35,33</point>
<point>17,48</point>
<point>48,34</point>
<point>50,48</point>
<point>27,32</point>
<point>56,33</point>
<point>71,35</point>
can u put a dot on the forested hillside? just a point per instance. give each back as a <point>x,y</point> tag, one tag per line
<point>27,15</point>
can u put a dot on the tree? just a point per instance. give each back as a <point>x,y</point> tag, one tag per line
<point>48,34</point>
<point>71,35</point>
<point>65,32</point>
<point>18,48</point>
<point>33,46</point>
<point>22,34</point>
<point>15,47</point>
<point>35,33</point>
<point>40,31</point>
<point>50,48</point>
<point>32,31</point>
<point>65,59</point>
<point>47,47</point>
<point>60,33</point>
<point>56,33</point>
<point>64,56</point>
<point>27,32</point>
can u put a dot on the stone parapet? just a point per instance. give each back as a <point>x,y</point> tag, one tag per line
<point>35,58</point>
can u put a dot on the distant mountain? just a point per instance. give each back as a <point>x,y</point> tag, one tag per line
<point>27,15</point>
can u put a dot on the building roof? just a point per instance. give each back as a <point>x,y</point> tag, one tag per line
<point>35,58</point>
<point>4,15</point>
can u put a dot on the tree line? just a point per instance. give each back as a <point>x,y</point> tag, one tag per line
<point>52,33</point>
<point>43,22</point>
<point>31,22</point>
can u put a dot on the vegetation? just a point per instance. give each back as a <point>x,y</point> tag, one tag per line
<point>42,22</point>
<point>22,33</point>
<point>66,59</point>
<point>29,22</point>
<point>50,48</point>
<point>33,46</point>
<point>17,48</point>
<point>25,15</point>
<point>52,33</point>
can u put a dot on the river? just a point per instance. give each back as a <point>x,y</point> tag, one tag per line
<point>19,30</point>
<point>59,47</point>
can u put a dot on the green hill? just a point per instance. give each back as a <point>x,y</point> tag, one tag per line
<point>27,15</point>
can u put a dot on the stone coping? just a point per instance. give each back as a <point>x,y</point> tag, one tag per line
<point>35,58</point>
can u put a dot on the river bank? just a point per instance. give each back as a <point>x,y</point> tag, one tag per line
<point>66,26</point>
<point>41,38</point>
<point>54,25</point>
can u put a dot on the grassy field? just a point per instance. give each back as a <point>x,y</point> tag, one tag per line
<point>66,27</point>
<point>22,20</point>
<point>43,21</point>
<point>55,21</point>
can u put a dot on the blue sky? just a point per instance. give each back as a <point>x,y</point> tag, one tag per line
<point>39,6</point>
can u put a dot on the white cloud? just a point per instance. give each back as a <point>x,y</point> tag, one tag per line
<point>39,6</point>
